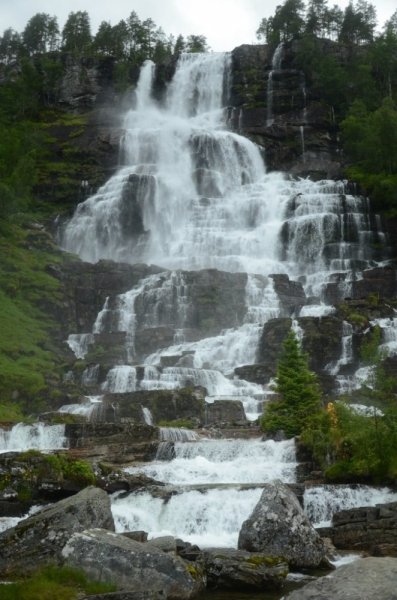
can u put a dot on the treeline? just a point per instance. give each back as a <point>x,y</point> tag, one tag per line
<point>354,25</point>
<point>356,73</point>
<point>130,39</point>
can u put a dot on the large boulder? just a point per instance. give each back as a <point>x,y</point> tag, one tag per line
<point>279,527</point>
<point>40,538</point>
<point>228,568</point>
<point>361,580</point>
<point>113,558</point>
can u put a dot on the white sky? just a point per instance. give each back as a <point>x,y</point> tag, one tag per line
<point>225,23</point>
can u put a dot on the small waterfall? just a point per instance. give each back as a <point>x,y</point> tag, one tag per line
<point>213,515</point>
<point>211,519</point>
<point>276,66</point>
<point>38,436</point>
<point>297,329</point>
<point>79,343</point>
<point>226,462</point>
<point>303,90</point>
<point>147,416</point>
<point>87,409</point>
<point>177,434</point>
<point>322,501</point>
<point>302,134</point>
<point>269,120</point>
<point>120,380</point>
<point>347,350</point>
<point>389,334</point>
<point>90,375</point>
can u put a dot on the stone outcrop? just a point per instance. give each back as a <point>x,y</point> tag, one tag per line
<point>113,442</point>
<point>164,405</point>
<point>364,579</point>
<point>291,294</point>
<point>231,569</point>
<point>131,565</point>
<point>279,527</point>
<point>228,411</point>
<point>373,529</point>
<point>39,539</point>
<point>302,135</point>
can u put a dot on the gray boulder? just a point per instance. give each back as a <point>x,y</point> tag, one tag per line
<point>132,566</point>
<point>364,579</point>
<point>228,568</point>
<point>39,539</point>
<point>279,527</point>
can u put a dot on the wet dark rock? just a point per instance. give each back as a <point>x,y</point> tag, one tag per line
<point>291,294</point>
<point>364,579</point>
<point>225,410</point>
<point>164,405</point>
<point>279,527</point>
<point>369,528</point>
<point>113,442</point>
<point>231,569</point>
<point>39,539</point>
<point>131,565</point>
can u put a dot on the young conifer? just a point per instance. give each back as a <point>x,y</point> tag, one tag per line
<point>298,389</point>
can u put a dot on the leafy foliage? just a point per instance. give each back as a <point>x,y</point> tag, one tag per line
<point>298,388</point>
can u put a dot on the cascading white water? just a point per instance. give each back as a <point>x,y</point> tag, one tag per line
<point>147,415</point>
<point>203,196</point>
<point>302,135</point>
<point>276,65</point>
<point>214,516</point>
<point>177,434</point>
<point>226,461</point>
<point>79,343</point>
<point>322,501</point>
<point>193,195</point>
<point>37,436</point>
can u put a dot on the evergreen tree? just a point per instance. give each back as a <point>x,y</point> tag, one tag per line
<point>196,43</point>
<point>298,388</point>
<point>180,44</point>
<point>76,34</point>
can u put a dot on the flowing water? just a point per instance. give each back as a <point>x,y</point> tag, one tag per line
<point>38,436</point>
<point>192,195</point>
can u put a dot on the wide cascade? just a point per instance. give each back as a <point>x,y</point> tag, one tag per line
<point>192,196</point>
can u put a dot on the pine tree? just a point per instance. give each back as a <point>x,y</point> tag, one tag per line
<point>298,388</point>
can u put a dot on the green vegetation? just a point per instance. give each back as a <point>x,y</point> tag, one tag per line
<point>358,78</point>
<point>299,391</point>
<point>351,446</point>
<point>54,583</point>
<point>130,40</point>
<point>36,467</point>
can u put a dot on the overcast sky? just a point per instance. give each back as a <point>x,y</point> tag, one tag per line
<point>225,23</point>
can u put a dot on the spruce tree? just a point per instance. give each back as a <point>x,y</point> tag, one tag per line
<point>298,389</point>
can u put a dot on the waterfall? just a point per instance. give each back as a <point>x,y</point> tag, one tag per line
<point>38,436</point>
<point>322,501</point>
<point>147,416</point>
<point>276,66</point>
<point>177,434</point>
<point>212,515</point>
<point>79,343</point>
<point>302,134</point>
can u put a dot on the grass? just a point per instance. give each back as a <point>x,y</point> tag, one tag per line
<point>54,583</point>
<point>28,295</point>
